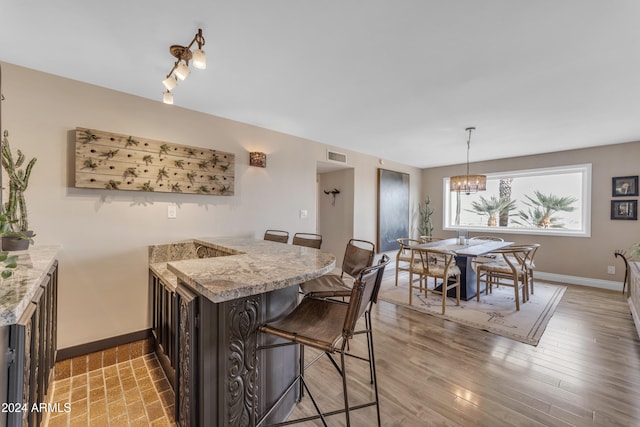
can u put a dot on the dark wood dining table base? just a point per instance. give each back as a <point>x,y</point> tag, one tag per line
<point>468,284</point>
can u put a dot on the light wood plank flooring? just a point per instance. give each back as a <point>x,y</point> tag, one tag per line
<point>432,372</point>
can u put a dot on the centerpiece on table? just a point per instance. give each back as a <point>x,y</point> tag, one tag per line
<point>18,236</point>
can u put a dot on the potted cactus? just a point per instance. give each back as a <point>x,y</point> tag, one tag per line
<point>8,262</point>
<point>19,237</point>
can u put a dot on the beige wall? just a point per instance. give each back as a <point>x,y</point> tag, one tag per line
<point>103,266</point>
<point>335,220</point>
<point>573,256</point>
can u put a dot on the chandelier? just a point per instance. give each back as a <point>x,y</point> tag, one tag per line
<point>468,183</point>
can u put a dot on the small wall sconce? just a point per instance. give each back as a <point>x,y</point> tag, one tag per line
<point>258,159</point>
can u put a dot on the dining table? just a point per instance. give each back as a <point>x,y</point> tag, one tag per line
<point>464,255</point>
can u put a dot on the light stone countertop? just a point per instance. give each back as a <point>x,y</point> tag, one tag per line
<point>252,266</point>
<point>17,291</point>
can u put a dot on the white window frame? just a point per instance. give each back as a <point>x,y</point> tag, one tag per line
<point>585,169</point>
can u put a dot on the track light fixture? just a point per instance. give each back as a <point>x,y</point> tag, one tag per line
<point>180,69</point>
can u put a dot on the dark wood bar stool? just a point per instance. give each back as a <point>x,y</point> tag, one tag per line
<point>276,236</point>
<point>357,255</point>
<point>327,325</point>
<point>309,240</point>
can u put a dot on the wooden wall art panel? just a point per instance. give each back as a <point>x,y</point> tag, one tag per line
<point>121,162</point>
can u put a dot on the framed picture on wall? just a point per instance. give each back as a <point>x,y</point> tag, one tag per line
<point>393,208</point>
<point>624,209</point>
<point>624,186</point>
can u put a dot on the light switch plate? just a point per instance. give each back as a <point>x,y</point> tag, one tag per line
<point>172,211</point>
<point>303,213</point>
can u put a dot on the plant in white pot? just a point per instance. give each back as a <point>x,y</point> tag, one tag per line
<point>15,208</point>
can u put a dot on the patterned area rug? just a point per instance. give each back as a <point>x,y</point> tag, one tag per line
<point>495,313</point>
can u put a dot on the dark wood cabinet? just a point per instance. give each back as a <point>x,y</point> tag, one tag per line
<point>164,324</point>
<point>207,352</point>
<point>32,352</point>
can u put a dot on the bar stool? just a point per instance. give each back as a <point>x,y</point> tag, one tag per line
<point>327,325</point>
<point>309,240</point>
<point>276,236</point>
<point>357,255</point>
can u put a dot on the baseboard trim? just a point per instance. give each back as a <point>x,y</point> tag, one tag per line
<point>101,345</point>
<point>577,280</point>
<point>564,278</point>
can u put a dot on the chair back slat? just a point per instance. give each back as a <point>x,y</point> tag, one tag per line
<point>364,292</point>
<point>435,259</point>
<point>357,256</point>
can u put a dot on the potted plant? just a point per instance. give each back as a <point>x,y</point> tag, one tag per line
<point>7,262</point>
<point>425,226</point>
<point>19,237</point>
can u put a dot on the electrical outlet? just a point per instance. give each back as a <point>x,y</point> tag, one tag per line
<point>172,211</point>
<point>611,269</point>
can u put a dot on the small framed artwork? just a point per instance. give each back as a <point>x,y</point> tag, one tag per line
<point>624,186</point>
<point>624,209</point>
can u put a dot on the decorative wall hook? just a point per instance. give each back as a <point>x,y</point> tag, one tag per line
<point>333,193</point>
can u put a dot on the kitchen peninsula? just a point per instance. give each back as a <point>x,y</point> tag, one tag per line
<point>208,297</point>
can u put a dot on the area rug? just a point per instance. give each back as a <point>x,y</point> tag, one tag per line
<point>495,313</point>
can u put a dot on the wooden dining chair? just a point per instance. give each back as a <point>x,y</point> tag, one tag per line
<point>509,269</point>
<point>487,257</point>
<point>490,238</point>
<point>403,257</point>
<point>438,264</point>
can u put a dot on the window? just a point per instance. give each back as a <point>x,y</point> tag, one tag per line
<point>554,201</point>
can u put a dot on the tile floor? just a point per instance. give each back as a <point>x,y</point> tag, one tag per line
<point>130,393</point>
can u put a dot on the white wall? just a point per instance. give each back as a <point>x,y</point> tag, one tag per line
<point>103,266</point>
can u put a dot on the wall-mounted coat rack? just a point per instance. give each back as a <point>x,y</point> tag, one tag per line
<point>333,194</point>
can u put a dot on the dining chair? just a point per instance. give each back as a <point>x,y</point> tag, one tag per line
<point>276,236</point>
<point>487,257</point>
<point>427,239</point>
<point>327,325</point>
<point>508,269</point>
<point>309,240</point>
<point>491,238</point>
<point>403,257</point>
<point>530,266</point>
<point>438,264</point>
<point>357,255</point>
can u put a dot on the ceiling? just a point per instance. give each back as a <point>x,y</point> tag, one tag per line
<point>400,80</point>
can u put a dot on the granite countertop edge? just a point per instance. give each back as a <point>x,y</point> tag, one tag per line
<point>252,267</point>
<point>17,292</point>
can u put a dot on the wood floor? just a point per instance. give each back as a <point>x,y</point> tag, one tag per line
<point>432,372</point>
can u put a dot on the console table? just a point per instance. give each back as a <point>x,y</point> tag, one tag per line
<point>209,295</point>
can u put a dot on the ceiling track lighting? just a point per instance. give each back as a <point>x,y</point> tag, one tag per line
<point>180,69</point>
